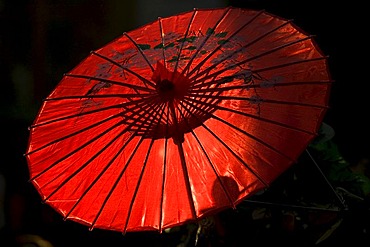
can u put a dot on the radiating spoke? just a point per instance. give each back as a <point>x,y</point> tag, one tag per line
<point>115,184</point>
<point>161,223</point>
<point>207,75</point>
<point>253,171</point>
<point>257,100</point>
<point>199,48</point>
<point>105,168</point>
<point>119,83</point>
<point>109,163</point>
<point>209,161</point>
<point>217,48</point>
<point>140,50</point>
<point>162,40</point>
<point>125,105</point>
<point>100,96</point>
<point>192,101</point>
<point>144,80</point>
<point>184,38</point>
<point>127,120</point>
<point>83,145</point>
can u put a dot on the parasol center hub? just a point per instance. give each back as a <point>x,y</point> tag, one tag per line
<point>170,85</point>
<point>166,90</point>
<point>166,87</point>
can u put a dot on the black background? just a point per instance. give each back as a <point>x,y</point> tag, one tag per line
<point>41,40</point>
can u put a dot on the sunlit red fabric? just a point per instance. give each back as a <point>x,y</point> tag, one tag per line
<point>178,119</point>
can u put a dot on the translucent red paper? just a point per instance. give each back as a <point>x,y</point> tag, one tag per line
<point>178,119</point>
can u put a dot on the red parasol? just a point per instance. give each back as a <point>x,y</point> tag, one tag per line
<point>178,119</point>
